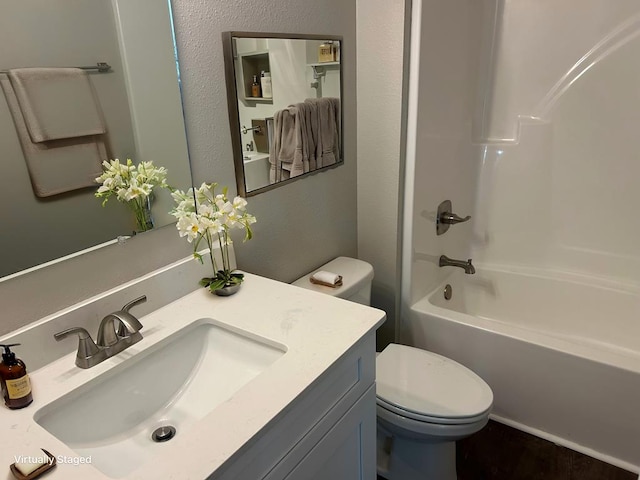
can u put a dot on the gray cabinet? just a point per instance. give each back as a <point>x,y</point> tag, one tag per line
<point>345,451</point>
<point>327,432</point>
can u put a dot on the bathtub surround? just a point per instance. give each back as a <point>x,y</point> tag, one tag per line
<point>532,136</point>
<point>562,145</point>
<point>441,157</point>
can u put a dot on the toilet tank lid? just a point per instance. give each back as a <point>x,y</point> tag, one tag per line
<point>355,275</point>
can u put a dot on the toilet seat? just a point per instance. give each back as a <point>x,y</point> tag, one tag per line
<point>429,418</point>
<point>430,388</point>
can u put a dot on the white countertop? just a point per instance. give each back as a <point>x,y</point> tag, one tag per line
<point>316,329</point>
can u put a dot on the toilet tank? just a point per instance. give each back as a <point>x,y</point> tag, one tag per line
<point>357,276</point>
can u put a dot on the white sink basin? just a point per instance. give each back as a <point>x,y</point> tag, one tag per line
<point>176,382</point>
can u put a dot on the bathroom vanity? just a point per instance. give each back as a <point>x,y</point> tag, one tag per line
<point>274,382</point>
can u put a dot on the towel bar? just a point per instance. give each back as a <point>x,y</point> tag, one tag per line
<point>101,67</point>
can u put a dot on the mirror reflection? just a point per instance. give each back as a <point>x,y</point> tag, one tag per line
<point>284,106</point>
<point>58,125</point>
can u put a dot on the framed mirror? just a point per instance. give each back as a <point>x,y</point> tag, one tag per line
<point>137,94</point>
<point>284,93</point>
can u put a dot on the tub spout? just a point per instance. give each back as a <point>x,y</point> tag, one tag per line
<point>450,262</point>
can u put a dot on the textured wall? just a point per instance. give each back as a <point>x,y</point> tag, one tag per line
<point>380,75</point>
<point>300,226</point>
<point>308,222</point>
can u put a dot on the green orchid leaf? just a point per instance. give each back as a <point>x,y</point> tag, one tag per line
<point>216,285</point>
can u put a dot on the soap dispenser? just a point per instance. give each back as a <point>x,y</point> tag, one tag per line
<point>255,87</point>
<point>16,387</point>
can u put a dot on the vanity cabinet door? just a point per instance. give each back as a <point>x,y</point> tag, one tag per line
<point>343,394</point>
<point>346,452</point>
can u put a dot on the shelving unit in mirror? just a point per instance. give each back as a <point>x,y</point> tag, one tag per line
<point>251,66</point>
<point>306,97</point>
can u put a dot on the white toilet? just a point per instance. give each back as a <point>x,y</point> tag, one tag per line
<point>425,402</point>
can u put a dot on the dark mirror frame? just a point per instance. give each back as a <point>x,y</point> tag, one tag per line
<point>234,114</point>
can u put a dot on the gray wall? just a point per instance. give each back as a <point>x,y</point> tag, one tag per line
<point>300,226</point>
<point>308,222</point>
<point>380,139</point>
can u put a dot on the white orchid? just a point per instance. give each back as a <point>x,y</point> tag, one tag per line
<point>189,226</point>
<point>204,215</point>
<point>132,184</point>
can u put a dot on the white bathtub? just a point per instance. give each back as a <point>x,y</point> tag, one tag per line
<point>561,353</point>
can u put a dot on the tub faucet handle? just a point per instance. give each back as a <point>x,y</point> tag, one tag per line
<point>446,217</point>
<point>452,218</point>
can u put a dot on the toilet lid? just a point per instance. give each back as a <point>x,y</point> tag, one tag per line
<point>427,385</point>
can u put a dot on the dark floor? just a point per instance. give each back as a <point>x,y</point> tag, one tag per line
<point>499,452</point>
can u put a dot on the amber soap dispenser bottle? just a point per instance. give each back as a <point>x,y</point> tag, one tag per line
<point>15,383</point>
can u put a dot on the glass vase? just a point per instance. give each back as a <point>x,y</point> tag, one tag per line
<point>141,208</point>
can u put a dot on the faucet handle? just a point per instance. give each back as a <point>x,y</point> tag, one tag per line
<point>133,303</point>
<point>123,331</point>
<point>82,333</point>
<point>452,218</point>
<point>86,346</point>
<point>446,217</point>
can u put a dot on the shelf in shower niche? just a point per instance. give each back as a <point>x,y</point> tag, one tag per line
<point>258,99</point>
<point>252,64</point>
<point>324,64</point>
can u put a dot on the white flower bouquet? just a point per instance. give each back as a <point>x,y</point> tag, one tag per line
<point>133,185</point>
<point>203,215</point>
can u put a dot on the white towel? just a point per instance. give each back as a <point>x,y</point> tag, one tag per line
<point>326,277</point>
<point>57,103</point>
<point>57,166</point>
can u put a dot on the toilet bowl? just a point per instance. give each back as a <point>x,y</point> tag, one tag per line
<point>425,402</point>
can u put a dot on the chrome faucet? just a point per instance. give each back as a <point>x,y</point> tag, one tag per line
<point>110,341</point>
<point>450,262</point>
